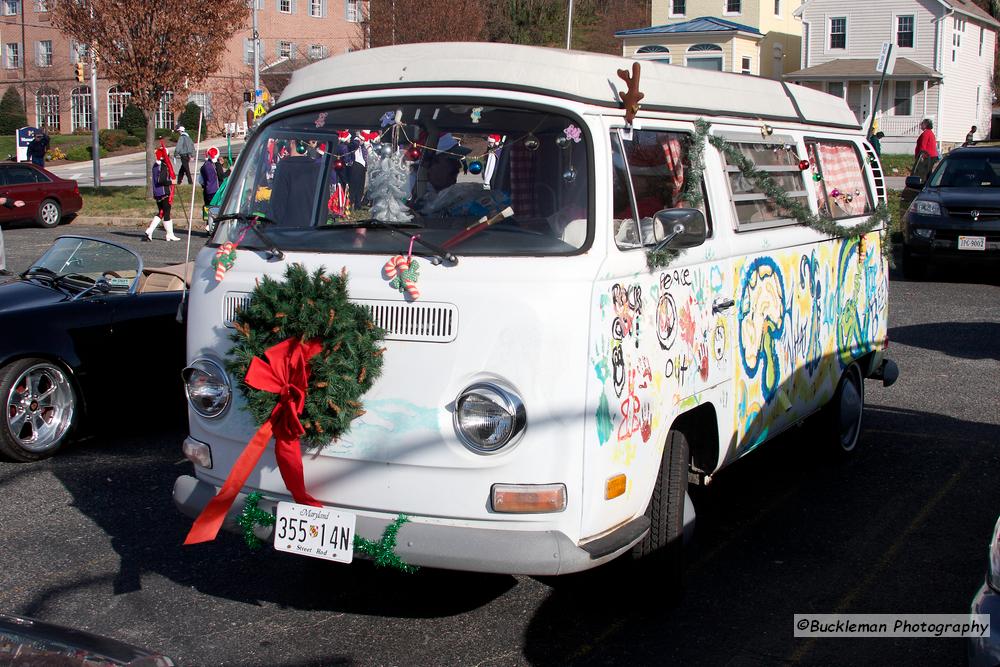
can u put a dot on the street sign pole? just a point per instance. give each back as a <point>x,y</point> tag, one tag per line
<point>885,64</point>
<point>256,48</point>
<point>95,140</point>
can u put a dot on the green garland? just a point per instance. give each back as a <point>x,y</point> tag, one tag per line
<point>311,307</point>
<point>382,552</point>
<point>692,194</point>
<point>252,516</point>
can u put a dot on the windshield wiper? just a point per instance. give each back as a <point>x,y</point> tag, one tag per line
<point>255,220</point>
<point>438,255</point>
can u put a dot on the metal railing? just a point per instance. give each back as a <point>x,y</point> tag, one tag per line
<point>902,126</point>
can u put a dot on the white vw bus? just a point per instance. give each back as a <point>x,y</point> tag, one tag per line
<point>547,398</point>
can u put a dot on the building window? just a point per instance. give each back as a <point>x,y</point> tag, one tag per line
<point>745,66</point>
<point>80,117</point>
<point>285,6</point>
<point>78,52</point>
<point>11,7</point>
<point>902,99</point>
<point>904,32</point>
<point>43,54</point>
<point>982,36</point>
<point>285,50</point>
<point>838,32</point>
<point>317,8</point>
<point>353,11</point>
<point>836,88</point>
<point>317,52</point>
<point>164,117</point>
<point>41,6</point>
<point>47,108</point>
<point>248,52</point>
<point>777,7</point>
<point>733,6</point>
<point>705,56</point>
<point>12,56</point>
<point>677,7</point>
<point>204,101</point>
<point>118,99</point>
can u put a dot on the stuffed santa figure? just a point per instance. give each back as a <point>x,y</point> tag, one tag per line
<point>493,149</point>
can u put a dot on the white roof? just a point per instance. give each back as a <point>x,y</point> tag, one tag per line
<point>575,75</point>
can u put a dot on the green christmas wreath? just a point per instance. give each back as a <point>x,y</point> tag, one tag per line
<point>310,307</point>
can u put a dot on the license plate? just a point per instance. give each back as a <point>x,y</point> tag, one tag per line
<point>319,532</point>
<point>972,243</point>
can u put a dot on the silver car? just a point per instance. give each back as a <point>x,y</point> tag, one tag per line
<point>985,651</point>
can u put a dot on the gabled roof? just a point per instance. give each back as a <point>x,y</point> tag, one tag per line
<point>966,7</point>
<point>700,24</point>
<point>862,69</point>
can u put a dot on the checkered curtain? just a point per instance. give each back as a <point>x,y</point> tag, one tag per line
<point>522,180</point>
<point>841,170</point>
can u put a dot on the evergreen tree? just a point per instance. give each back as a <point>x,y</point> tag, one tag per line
<point>11,112</point>
<point>189,119</point>
<point>133,121</point>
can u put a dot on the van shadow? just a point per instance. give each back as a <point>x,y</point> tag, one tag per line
<point>966,340</point>
<point>123,484</point>
<point>790,529</point>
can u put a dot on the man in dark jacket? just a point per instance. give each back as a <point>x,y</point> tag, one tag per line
<point>183,151</point>
<point>37,147</point>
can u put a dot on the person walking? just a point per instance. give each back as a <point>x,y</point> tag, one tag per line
<point>970,138</point>
<point>876,141</point>
<point>210,175</point>
<point>162,184</point>
<point>925,155</point>
<point>37,147</point>
<point>183,151</point>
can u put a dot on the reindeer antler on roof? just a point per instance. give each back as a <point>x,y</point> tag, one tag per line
<point>632,96</point>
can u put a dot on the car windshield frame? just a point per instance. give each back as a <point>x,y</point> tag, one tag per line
<point>573,199</point>
<point>968,170</point>
<point>73,265</point>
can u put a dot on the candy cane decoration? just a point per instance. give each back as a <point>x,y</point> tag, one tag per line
<point>403,274</point>
<point>224,259</point>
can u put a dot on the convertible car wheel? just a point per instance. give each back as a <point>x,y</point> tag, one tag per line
<point>39,409</point>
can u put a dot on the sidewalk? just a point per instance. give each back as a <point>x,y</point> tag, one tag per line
<point>218,142</point>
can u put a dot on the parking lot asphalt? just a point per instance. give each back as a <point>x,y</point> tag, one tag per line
<point>91,538</point>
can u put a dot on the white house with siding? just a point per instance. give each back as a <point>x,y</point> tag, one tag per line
<point>944,64</point>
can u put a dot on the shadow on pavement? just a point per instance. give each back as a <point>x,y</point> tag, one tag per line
<point>906,517</point>
<point>966,340</point>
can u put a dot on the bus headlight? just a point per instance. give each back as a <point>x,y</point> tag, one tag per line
<point>207,388</point>
<point>488,416</point>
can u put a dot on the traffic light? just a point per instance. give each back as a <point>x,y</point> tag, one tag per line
<point>79,72</point>
<point>248,97</point>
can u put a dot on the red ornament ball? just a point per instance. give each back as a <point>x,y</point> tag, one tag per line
<point>803,164</point>
<point>835,192</point>
<point>338,164</point>
<point>413,153</point>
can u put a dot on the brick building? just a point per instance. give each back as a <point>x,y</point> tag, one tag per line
<point>39,61</point>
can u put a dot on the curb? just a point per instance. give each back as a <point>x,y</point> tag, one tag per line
<point>110,221</point>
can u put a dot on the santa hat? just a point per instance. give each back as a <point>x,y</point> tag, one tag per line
<point>161,153</point>
<point>493,139</point>
<point>212,153</point>
<point>344,135</point>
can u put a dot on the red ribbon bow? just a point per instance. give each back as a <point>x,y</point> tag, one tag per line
<point>286,373</point>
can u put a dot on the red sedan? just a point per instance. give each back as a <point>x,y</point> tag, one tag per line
<point>47,198</point>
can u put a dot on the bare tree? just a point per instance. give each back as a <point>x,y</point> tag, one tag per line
<point>152,47</point>
<point>390,22</point>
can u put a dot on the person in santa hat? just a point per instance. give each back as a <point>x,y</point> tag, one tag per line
<point>162,183</point>
<point>493,149</point>
<point>211,174</point>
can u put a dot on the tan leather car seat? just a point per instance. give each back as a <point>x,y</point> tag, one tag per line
<point>165,278</point>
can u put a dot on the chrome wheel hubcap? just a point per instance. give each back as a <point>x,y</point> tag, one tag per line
<point>39,408</point>
<point>49,213</point>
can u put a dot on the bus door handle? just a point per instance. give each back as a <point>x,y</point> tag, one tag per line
<point>722,304</point>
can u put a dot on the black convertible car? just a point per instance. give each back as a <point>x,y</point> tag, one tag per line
<point>86,329</point>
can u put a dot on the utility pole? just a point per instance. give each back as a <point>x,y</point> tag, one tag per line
<point>94,142</point>
<point>569,26</point>
<point>256,53</point>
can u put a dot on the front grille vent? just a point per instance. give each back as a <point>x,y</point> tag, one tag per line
<point>425,321</point>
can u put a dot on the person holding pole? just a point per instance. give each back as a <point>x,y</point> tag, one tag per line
<point>925,154</point>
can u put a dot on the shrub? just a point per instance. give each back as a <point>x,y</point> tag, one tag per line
<point>81,131</point>
<point>55,153</point>
<point>81,153</point>
<point>166,133</point>
<point>189,119</point>
<point>111,140</point>
<point>130,140</point>
<point>133,121</point>
<point>11,112</point>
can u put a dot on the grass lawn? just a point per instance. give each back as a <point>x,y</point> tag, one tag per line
<point>63,141</point>
<point>131,201</point>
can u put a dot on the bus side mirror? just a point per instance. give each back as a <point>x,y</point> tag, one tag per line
<point>678,228</point>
